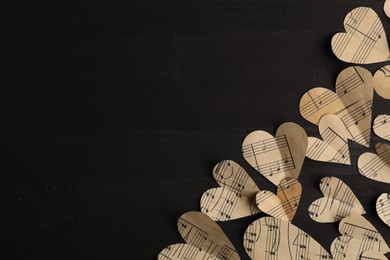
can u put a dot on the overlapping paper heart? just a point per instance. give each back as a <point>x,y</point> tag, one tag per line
<point>352,103</point>
<point>372,255</point>
<point>273,238</point>
<point>235,198</point>
<point>284,204</point>
<point>204,238</point>
<point>386,8</point>
<point>383,208</point>
<point>358,236</point>
<point>382,82</point>
<point>382,126</point>
<point>334,146</point>
<point>338,202</point>
<point>364,40</point>
<point>376,166</point>
<point>279,157</point>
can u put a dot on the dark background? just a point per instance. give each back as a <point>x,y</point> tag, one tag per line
<point>113,114</point>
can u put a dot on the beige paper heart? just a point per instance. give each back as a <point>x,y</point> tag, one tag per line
<point>338,202</point>
<point>279,157</point>
<point>204,238</point>
<point>334,146</point>
<point>358,236</point>
<point>284,204</point>
<point>386,8</point>
<point>372,255</point>
<point>382,82</point>
<point>364,40</point>
<point>381,126</point>
<point>236,198</point>
<point>383,208</point>
<point>352,103</point>
<point>376,166</point>
<point>273,238</point>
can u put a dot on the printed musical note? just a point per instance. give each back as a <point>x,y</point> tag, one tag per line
<point>334,146</point>
<point>338,202</point>
<point>270,238</point>
<point>382,126</point>
<point>383,207</point>
<point>284,155</point>
<point>376,166</point>
<point>382,82</point>
<point>353,107</point>
<point>235,198</point>
<point>364,41</point>
<point>204,238</point>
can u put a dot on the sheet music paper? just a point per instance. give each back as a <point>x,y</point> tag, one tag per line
<point>382,126</point>
<point>376,166</point>
<point>285,203</point>
<point>386,8</point>
<point>382,82</point>
<point>338,202</point>
<point>279,157</point>
<point>364,40</point>
<point>236,198</point>
<point>372,255</point>
<point>334,144</point>
<point>383,208</point>
<point>358,236</point>
<point>270,238</point>
<point>204,238</point>
<point>352,103</point>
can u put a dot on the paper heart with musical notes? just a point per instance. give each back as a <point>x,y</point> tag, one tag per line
<point>382,126</point>
<point>273,238</point>
<point>382,82</point>
<point>358,236</point>
<point>383,207</point>
<point>284,204</point>
<point>352,103</point>
<point>364,40</point>
<point>236,198</point>
<point>334,146</point>
<point>204,238</point>
<point>372,255</point>
<point>386,8</point>
<point>376,166</point>
<point>338,202</point>
<point>279,157</point>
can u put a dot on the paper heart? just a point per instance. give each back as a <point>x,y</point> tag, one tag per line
<point>352,103</point>
<point>358,236</point>
<point>235,198</point>
<point>376,167</point>
<point>364,41</point>
<point>372,255</point>
<point>382,126</point>
<point>284,204</point>
<point>334,146</point>
<point>272,238</point>
<point>386,8</point>
<point>338,202</point>
<point>383,208</point>
<point>382,82</point>
<point>204,238</point>
<point>279,157</point>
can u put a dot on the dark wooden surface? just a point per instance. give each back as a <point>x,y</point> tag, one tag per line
<point>113,114</point>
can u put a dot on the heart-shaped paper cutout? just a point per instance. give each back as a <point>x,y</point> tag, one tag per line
<point>383,208</point>
<point>284,204</point>
<point>279,157</point>
<point>372,255</point>
<point>334,146</point>
<point>364,41</point>
<point>358,236</point>
<point>338,202</point>
<point>386,8</point>
<point>204,238</point>
<point>376,167</point>
<point>382,126</point>
<point>273,238</point>
<point>236,198</point>
<point>352,103</point>
<point>382,82</point>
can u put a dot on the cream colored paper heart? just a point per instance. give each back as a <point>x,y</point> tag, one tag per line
<point>383,208</point>
<point>358,236</point>
<point>382,126</point>
<point>386,8</point>
<point>204,238</point>
<point>279,157</point>
<point>273,238</point>
<point>334,146</point>
<point>236,198</point>
<point>382,82</point>
<point>372,255</point>
<point>352,103</point>
<point>364,40</point>
<point>284,204</point>
<point>338,202</point>
<point>376,166</point>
